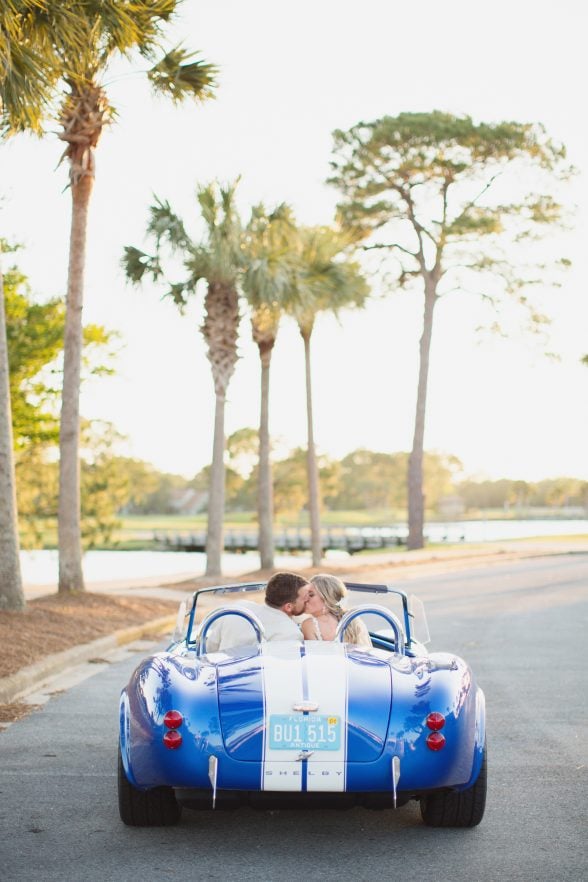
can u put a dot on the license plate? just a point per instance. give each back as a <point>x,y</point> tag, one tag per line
<point>308,732</point>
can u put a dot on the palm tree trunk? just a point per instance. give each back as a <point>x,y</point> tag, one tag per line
<point>11,593</point>
<point>220,330</point>
<point>265,512</point>
<point>71,577</point>
<point>312,467</point>
<point>416,498</point>
<point>216,497</point>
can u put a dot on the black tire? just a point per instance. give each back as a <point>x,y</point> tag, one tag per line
<point>453,809</point>
<point>145,808</point>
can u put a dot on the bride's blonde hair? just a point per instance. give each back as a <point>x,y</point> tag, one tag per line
<point>332,591</point>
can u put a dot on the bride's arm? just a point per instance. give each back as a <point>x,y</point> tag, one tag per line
<point>363,635</point>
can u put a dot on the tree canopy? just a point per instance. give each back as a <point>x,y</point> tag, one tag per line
<point>34,331</point>
<point>430,190</point>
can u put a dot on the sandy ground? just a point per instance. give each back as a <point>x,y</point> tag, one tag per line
<point>52,624</point>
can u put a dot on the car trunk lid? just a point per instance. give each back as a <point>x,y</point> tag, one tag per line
<point>316,705</point>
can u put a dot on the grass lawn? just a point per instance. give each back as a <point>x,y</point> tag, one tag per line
<point>248,519</point>
<point>136,532</point>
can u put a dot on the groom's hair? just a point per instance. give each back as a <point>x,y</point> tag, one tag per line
<point>283,588</point>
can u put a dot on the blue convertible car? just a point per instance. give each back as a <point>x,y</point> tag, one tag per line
<point>313,723</point>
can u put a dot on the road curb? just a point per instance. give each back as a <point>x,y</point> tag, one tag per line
<point>33,676</point>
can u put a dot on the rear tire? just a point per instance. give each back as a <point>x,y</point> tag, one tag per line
<point>157,807</point>
<point>457,809</point>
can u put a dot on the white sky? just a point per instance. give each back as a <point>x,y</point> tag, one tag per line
<point>290,75</point>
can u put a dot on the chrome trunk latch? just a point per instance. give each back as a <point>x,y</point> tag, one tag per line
<point>305,707</point>
<point>303,755</point>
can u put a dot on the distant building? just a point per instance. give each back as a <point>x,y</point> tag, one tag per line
<point>188,501</point>
<point>451,507</point>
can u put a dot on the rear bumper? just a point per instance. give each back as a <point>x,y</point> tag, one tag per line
<point>194,798</point>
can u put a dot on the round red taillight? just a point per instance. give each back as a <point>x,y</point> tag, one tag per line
<point>173,719</point>
<point>172,739</point>
<point>435,741</point>
<point>435,721</point>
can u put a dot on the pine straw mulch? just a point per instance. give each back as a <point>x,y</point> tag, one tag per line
<point>10,713</point>
<point>54,623</point>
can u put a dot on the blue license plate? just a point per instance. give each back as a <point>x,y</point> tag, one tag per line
<point>308,732</point>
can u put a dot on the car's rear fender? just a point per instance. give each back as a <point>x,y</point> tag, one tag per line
<point>443,684</point>
<point>162,683</point>
<point>479,742</point>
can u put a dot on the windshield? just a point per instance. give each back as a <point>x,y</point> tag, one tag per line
<point>360,595</point>
<point>208,599</point>
<point>419,624</point>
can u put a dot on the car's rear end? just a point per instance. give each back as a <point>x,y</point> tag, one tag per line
<point>288,723</point>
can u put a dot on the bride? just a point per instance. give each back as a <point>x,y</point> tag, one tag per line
<point>323,605</point>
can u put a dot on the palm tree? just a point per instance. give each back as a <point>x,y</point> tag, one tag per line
<point>218,260</point>
<point>267,284</point>
<point>326,279</point>
<point>74,44</point>
<point>22,70</point>
<point>11,593</point>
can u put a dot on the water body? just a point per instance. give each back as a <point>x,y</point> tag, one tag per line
<point>40,567</point>
<point>491,531</point>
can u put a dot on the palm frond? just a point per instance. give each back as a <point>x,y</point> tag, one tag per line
<point>224,231</point>
<point>178,78</point>
<point>22,103</point>
<point>206,196</point>
<point>178,292</point>
<point>326,278</point>
<point>27,72</point>
<point>270,249</point>
<point>198,264</point>
<point>136,264</point>
<point>165,225</point>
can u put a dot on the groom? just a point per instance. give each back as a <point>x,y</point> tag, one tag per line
<point>285,595</point>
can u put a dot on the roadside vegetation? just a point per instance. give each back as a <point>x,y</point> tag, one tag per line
<point>126,502</point>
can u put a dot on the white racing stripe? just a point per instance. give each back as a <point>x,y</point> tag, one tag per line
<point>327,686</point>
<point>282,686</point>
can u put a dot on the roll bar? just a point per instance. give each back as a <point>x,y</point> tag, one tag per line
<point>217,614</point>
<point>378,611</point>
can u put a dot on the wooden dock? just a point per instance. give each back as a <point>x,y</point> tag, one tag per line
<point>291,541</point>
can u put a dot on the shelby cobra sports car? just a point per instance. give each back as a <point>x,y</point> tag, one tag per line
<point>288,723</point>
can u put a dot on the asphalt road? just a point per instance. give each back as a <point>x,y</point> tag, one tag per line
<point>522,627</point>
